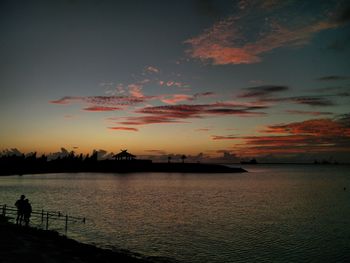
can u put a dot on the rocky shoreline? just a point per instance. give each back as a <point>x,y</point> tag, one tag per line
<point>27,245</point>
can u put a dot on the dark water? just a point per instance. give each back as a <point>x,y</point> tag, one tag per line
<point>271,214</point>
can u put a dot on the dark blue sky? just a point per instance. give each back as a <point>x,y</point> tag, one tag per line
<point>221,75</point>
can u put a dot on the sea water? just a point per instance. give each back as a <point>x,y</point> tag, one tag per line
<point>273,213</point>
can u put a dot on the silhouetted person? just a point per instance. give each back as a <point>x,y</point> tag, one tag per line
<point>20,205</point>
<point>27,211</point>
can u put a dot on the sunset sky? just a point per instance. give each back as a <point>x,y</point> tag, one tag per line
<point>219,80</point>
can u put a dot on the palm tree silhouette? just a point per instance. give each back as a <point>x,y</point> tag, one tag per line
<point>183,157</point>
<point>169,159</point>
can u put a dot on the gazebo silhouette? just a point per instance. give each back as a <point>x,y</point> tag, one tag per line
<point>124,156</point>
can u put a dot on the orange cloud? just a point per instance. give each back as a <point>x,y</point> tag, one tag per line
<point>177,98</point>
<point>227,137</point>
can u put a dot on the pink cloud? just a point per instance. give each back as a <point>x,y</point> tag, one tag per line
<point>227,42</point>
<point>135,90</point>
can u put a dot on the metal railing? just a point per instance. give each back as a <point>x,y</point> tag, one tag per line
<point>44,216</point>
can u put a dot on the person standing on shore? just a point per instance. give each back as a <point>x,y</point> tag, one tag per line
<point>20,205</point>
<point>27,211</point>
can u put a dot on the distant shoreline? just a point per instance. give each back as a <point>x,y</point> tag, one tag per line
<point>322,164</point>
<point>107,166</point>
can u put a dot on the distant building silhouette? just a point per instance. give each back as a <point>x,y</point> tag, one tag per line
<point>124,156</point>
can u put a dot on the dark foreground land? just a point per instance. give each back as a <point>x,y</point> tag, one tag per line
<point>31,245</point>
<point>35,166</point>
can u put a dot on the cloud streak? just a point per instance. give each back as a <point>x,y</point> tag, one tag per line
<point>315,127</point>
<point>227,137</point>
<point>312,113</point>
<point>262,91</point>
<point>333,78</point>
<point>101,108</point>
<point>305,100</point>
<point>314,101</point>
<point>123,129</point>
<point>101,100</point>
<point>267,94</point>
<point>183,112</point>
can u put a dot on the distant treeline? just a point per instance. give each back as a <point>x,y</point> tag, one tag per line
<point>19,164</point>
<point>31,163</point>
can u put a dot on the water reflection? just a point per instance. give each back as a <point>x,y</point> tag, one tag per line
<point>270,214</point>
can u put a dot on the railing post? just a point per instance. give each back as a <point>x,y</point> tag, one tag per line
<point>47,220</point>
<point>41,214</point>
<point>4,210</point>
<point>66,225</point>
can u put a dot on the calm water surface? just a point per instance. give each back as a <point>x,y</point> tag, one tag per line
<point>273,213</point>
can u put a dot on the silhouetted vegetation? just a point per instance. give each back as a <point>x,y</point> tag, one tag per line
<point>124,162</point>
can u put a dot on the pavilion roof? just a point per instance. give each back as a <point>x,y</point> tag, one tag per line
<point>124,153</point>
